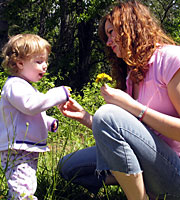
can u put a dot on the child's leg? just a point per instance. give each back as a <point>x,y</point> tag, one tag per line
<point>20,169</point>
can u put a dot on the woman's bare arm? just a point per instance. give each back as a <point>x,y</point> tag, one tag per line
<point>164,124</point>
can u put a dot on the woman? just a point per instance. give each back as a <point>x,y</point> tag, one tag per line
<point>137,132</point>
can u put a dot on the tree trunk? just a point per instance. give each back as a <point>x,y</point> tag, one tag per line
<point>3,25</point>
<point>85,35</point>
<point>3,32</point>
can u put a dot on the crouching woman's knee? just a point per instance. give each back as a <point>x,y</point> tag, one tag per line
<point>105,118</point>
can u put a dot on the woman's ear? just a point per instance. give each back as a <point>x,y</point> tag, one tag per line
<point>20,64</point>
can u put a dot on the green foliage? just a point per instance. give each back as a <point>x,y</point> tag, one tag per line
<point>91,99</point>
<point>167,12</point>
<point>3,77</point>
<point>93,7</point>
<point>72,29</point>
<point>45,84</point>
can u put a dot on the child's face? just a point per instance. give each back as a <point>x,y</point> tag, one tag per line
<point>33,69</point>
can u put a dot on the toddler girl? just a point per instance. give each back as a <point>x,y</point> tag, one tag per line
<point>24,124</point>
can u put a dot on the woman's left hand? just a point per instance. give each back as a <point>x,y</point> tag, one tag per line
<point>116,96</point>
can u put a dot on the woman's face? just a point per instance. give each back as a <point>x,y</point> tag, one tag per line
<point>111,42</point>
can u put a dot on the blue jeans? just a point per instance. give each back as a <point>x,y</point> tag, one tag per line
<point>125,144</point>
<point>80,168</point>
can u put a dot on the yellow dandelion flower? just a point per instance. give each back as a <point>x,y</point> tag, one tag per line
<point>69,88</point>
<point>103,78</point>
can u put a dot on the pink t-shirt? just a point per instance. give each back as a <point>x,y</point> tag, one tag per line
<point>153,90</point>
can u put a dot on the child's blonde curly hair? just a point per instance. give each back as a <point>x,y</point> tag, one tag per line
<point>21,47</point>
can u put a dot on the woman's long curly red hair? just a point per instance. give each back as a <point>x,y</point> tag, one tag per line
<point>138,32</point>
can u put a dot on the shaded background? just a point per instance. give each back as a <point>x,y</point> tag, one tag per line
<point>71,28</point>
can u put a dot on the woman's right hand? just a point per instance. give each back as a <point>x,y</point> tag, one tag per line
<point>117,97</point>
<point>74,110</point>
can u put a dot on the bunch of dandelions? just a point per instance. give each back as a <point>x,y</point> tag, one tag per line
<point>103,78</point>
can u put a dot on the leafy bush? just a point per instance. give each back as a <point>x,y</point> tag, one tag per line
<point>3,78</point>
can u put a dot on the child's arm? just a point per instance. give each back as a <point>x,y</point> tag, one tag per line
<point>31,102</point>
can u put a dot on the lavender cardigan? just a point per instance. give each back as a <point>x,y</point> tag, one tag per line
<point>23,122</point>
